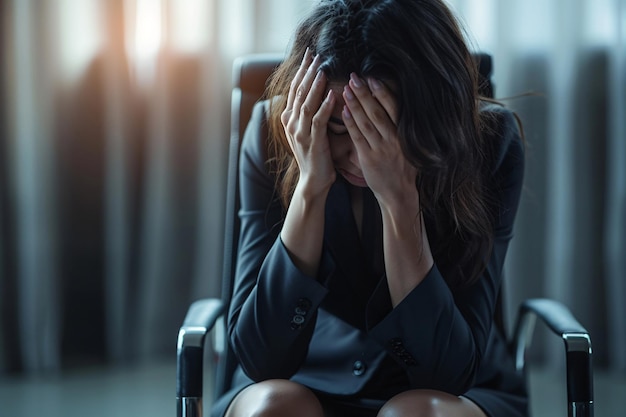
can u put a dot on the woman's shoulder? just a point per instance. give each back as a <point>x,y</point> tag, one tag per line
<point>254,138</point>
<point>502,135</point>
<point>499,120</point>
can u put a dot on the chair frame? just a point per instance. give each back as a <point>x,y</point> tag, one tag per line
<point>206,316</point>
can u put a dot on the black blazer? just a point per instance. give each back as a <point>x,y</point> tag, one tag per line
<point>337,332</point>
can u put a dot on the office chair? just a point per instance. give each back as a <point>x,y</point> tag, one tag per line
<point>207,316</point>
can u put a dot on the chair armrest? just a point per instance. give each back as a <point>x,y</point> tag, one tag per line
<point>559,319</point>
<point>200,319</point>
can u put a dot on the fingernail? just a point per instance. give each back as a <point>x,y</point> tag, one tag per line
<point>313,65</point>
<point>356,80</point>
<point>306,55</point>
<point>375,84</point>
<point>330,96</point>
<point>346,113</point>
<point>348,92</point>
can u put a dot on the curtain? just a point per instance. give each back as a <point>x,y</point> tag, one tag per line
<point>114,124</point>
<point>114,134</point>
<point>562,63</point>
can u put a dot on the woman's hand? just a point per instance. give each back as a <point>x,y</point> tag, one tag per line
<point>370,116</point>
<point>305,120</point>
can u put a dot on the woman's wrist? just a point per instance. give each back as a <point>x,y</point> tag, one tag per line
<point>303,229</point>
<point>402,206</point>
<point>312,191</point>
<point>408,257</point>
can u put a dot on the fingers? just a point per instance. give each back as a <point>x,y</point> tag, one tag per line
<point>302,91</point>
<point>319,123</point>
<point>297,79</point>
<point>354,132</point>
<point>305,96</point>
<point>385,98</point>
<point>311,105</point>
<point>294,89</point>
<point>372,110</point>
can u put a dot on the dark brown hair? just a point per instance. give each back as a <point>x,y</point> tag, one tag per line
<point>418,46</point>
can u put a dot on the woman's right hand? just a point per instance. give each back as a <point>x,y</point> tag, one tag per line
<point>305,120</point>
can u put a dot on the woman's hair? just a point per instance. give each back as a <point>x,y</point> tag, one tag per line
<point>417,47</point>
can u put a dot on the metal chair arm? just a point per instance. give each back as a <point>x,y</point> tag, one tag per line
<point>200,319</point>
<point>559,319</point>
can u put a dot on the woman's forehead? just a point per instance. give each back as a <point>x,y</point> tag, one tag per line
<point>336,86</point>
<point>337,89</point>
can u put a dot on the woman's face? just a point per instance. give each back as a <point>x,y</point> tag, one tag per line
<point>342,149</point>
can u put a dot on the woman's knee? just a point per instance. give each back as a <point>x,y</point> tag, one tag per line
<point>429,403</point>
<point>275,398</point>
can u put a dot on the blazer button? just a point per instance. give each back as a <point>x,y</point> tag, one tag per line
<point>358,368</point>
<point>301,310</point>
<point>296,322</point>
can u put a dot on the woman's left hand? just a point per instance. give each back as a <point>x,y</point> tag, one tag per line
<point>370,115</point>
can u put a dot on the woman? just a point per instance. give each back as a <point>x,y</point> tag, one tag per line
<point>378,193</point>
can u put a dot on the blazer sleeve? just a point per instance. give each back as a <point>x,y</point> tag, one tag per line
<point>440,337</point>
<point>273,307</point>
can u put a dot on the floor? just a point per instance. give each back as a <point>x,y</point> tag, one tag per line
<point>150,391</point>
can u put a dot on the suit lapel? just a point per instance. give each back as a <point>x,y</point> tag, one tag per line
<point>357,261</point>
<point>372,240</point>
<point>341,235</point>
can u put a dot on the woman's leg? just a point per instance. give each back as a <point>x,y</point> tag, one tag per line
<point>429,403</point>
<point>275,398</point>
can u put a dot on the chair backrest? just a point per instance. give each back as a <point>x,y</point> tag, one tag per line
<point>250,75</point>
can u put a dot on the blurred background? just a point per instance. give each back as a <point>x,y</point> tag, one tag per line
<point>114,128</point>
